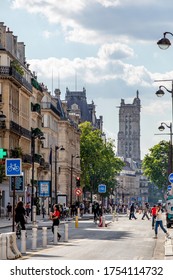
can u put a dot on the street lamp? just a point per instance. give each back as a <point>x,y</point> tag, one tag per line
<point>71,187</point>
<point>35,133</point>
<point>61,148</point>
<point>164,43</point>
<point>160,93</point>
<point>161,128</point>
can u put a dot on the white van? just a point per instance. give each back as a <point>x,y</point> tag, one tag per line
<point>169,211</point>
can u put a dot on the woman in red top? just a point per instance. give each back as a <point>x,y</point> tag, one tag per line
<point>55,217</point>
<point>153,213</point>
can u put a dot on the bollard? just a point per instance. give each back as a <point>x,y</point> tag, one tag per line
<point>103,221</point>
<point>34,238</point>
<point>117,216</point>
<point>66,233</point>
<point>113,217</point>
<point>76,222</point>
<point>34,216</point>
<point>55,235</point>
<point>23,241</point>
<point>44,236</point>
<point>3,247</point>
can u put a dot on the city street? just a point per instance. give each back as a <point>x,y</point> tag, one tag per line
<point>122,239</point>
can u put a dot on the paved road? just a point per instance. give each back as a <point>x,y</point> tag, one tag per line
<point>121,240</point>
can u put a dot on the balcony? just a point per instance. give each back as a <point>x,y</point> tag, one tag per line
<point>36,108</point>
<point>36,85</point>
<point>50,106</point>
<point>26,158</point>
<point>10,72</point>
<point>16,128</point>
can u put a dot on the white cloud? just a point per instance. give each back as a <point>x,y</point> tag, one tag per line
<point>156,106</point>
<point>93,69</point>
<point>99,21</point>
<point>115,51</point>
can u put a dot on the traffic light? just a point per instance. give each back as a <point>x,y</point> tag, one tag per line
<point>3,153</point>
<point>77,182</point>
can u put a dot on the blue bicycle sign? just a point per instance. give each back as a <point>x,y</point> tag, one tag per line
<point>13,167</point>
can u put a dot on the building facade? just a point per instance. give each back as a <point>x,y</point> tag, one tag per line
<point>129,130</point>
<point>132,185</point>
<point>35,129</point>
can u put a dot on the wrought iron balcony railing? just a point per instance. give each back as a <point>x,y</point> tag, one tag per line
<point>7,71</point>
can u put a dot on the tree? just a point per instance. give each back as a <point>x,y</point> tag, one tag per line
<point>155,164</point>
<point>98,161</point>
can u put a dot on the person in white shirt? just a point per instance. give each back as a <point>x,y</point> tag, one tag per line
<point>159,221</point>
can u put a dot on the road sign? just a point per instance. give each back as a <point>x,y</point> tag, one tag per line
<point>44,188</point>
<point>170,178</point>
<point>13,167</point>
<point>78,191</point>
<point>169,188</point>
<point>101,188</point>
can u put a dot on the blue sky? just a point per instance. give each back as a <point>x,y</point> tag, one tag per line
<point>109,45</point>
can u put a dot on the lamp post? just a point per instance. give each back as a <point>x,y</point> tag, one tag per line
<point>71,187</point>
<point>35,133</point>
<point>61,148</point>
<point>160,93</point>
<point>161,128</point>
<point>164,43</point>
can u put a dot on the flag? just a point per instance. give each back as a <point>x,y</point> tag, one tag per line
<point>50,156</point>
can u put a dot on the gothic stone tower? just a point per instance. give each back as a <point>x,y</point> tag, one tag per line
<point>129,130</point>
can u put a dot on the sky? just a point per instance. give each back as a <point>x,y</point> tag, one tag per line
<point>107,46</point>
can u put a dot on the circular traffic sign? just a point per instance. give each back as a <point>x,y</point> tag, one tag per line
<point>169,188</point>
<point>78,191</point>
<point>170,178</point>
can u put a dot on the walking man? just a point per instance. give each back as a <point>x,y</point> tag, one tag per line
<point>145,213</point>
<point>9,210</point>
<point>132,212</point>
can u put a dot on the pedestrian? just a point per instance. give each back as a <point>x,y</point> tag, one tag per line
<point>96,211</point>
<point>27,207</point>
<point>20,213</point>
<point>159,221</point>
<point>132,212</point>
<point>82,206</point>
<point>9,210</point>
<point>145,211</point>
<point>55,217</point>
<point>153,214</point>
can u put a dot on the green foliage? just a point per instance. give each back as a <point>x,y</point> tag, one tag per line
<point>15,64</point>
<point>155,164</point>
<point>98,161</point>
